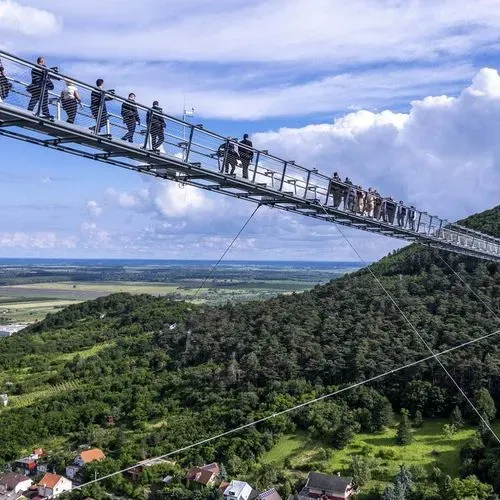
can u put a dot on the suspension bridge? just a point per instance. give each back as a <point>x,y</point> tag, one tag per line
<point>189,156</point>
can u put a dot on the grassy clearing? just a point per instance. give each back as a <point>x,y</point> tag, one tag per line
<point>430,448</point>
<point>32,397</point>
<point>21,310</point>
<point>86,353</point>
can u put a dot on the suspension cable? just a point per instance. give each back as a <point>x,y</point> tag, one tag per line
<point>214,267</point>
<point>414,329</point>
<point>291,409</point>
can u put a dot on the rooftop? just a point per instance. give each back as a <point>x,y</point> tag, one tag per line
<point>11,480</point>
<point>324,482</point>
<point>49,480</point>
<point>92,455</point>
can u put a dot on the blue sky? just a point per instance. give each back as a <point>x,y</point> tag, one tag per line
<point>357,86</point>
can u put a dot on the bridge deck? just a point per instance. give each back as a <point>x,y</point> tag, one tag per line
<point>189,157</point>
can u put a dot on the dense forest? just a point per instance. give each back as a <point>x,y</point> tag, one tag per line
<point>170,373</point>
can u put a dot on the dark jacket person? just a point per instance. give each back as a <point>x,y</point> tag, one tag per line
<point>96,98</point>
<point>38,90</point>
<point>157,125</point>
<point>130,117</point>
<point>246,154</point>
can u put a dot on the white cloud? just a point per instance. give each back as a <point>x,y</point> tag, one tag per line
<point>94,209</point>
<point>167,199</point>
<point>443,155</point>
<point>95,236</point>
<point>336,31</point>
<point>31,21</point>
<point>37,240</point>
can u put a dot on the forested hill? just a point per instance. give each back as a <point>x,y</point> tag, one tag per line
<point>172,373</point>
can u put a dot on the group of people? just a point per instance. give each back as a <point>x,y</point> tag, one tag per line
<point>352,198</point>
<point>229,155</point>
<point>370,203</point>
<point>42,82</point>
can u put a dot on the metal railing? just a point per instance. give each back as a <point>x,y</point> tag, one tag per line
<point>192,144</point>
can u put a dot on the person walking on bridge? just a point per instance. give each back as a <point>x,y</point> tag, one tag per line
<point>96,98</point>
<point>130,117</point>
<point>156,123</point>
<point>336,189</point>
<point>5,85</point>
<point>70,99</point>
<point>39,88</point>
<point>229,156</point>
<point>246,154</point>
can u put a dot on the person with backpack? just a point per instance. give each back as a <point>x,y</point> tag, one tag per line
<point>157,125</point>
<point>229,156</point>
<point>336,189</point>
<point>246,154</point>
<point>70,99</point>
<point>39,88</point>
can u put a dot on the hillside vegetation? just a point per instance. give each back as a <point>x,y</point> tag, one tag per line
<point>170,373</point>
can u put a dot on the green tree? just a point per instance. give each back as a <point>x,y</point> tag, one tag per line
<point>361,468</point>
<point>449,430</point>
<point>485,404</point>
<point>456,418</point>
<point>418,419</point>
<point>404,435</point>
<point>470,487</point>
<point>402,486</point>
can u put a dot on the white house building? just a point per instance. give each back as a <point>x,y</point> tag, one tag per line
<point>239,490</point>
<point>53,485</point>
<point>11,484</point>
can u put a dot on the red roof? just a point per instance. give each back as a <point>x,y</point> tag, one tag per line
<point>50,480</point>
<point>204,474</point>
<point>92,455</point>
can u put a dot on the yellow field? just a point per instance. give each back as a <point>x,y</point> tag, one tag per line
<point>38,304</point>
<point>108,287</point>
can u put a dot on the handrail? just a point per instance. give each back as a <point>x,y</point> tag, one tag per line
<point>308,184</point>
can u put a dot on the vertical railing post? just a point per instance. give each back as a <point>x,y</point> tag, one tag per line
<point>283,175</point>
<point>256,166</point>
<point>419,220</point>
<point>188,147</point>
<point>430,225</point>
<point>439,230</point>
<point>59,109</point>
<point>328,188</point>
<point>42,91</point>
<point>99,114</point>
<point>151,115</point>
<point>307,183</point>
<point>226,154</point>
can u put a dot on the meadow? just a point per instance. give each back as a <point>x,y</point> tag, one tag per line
<point>297,453</point>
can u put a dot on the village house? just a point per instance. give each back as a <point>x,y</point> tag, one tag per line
<point>84,458</point>
<point>12,485</point>
<point>324,487</point>
<point>29,464</point>
<point>52,485</point>
<point>240,490</point>
<point>206,475</point>
<point>271,494</point>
